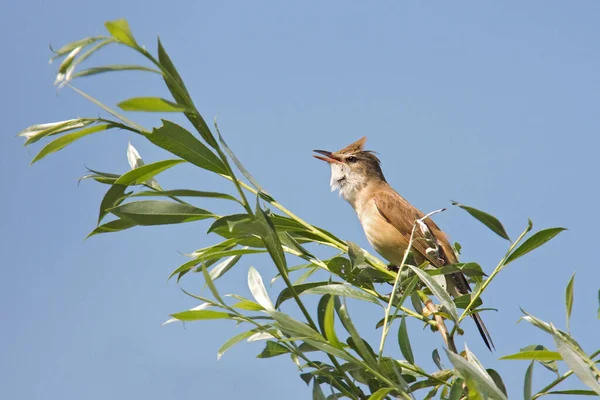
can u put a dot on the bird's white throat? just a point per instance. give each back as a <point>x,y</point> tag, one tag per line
<point>348,183</point>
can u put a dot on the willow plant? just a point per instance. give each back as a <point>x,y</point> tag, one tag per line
<point>339,363</point>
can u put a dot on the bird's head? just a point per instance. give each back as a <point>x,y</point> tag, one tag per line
<point>352,168</point>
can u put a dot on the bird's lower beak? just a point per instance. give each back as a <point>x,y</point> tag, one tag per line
<point>329,157</point>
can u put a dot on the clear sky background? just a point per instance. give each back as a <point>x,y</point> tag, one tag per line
<point>493,104</point>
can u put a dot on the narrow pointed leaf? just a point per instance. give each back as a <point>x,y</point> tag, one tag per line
<point>37,132</point>
<point>67,48</point>
<point>211,285</point>
<point>569,300</point>
<point>150,104</point>
<point>294,327</point>
<point>456,390</point>
<point>344,291</point>
<point>535,241</point>
<point>537,355</point>
<point>185,193</point>
<point>273,349</point>
<point>248,306</point>
<point>136,176</point>
<point>113,226</point>
<point>365,353</point>
<point>380,394</point>
<point>404,341</point>
<point>488,220</point>
<point>152,212</point>
<point>220,269</point>
<point>268,234</point>
<point>258,290</point>
<point>575,392</point>
<point>317,392</point>
<point>65,140</point>
<point>527,391</point>
<point>182,143</point>
<point>119,29</point>
<point>238,163</point>
<point>234,340</point>
<point>437,290</point>
<point>196,315</point>
<point>329,323</point>
<point>112,68</point>
<point>286,293</point>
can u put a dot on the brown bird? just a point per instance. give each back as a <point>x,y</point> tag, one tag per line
<point>388,219</point>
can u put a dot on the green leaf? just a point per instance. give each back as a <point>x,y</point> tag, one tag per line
<point>362,349</point>
<point>527,392</point>
<point>272,349</point>
<point>380,394</point>
<point>328,326</point>
<point>248,306</point>
<point>112,68</point>
<point>549,365</point>
<point>258,290</point>
<point>286,293</point>
<point>535,241</point>
<point>119,29</point>
<point>150,104</point>
<point>113,226</point>
<point>464,300</point>
<point>184,193</point>
<point>404,341</point>
<point>136,176</point>
<point>195,315</point>
<point>575,392</point>
<point>575,361</point>
<point>437,290</point>
<point>216,254</point>
<point>181,95</point>
<point>536,355</point>
<point>211,285</point>
<point>67,139</point>
<point>345,291</point>
<point>67,48</point>
<point>474,374</point>
<point>435,356</point>
<point>220,269</point>
<point>37,132</point>
<point>182,143</point>
<point>488,220</point>
<point>456,391</point>
<point>569,300</point>
<point>234,340</point>
<point>265,229</point>
<point>294,327</point>
<point>497,380</point>
<point>317,393</point>
<point>150,212</point>
<point>239,164</point>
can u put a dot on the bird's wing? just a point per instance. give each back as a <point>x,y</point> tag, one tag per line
<point>402,215</point>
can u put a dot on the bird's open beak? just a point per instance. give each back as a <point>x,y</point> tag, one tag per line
<point>329,157</point>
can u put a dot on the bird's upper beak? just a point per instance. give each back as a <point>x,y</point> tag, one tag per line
<point>329,157</point>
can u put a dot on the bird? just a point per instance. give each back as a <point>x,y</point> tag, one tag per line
<point>388,218</point>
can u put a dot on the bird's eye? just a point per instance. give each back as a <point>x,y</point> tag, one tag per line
<point>352,159</point>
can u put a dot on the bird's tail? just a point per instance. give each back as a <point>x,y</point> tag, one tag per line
<point>485,335</point>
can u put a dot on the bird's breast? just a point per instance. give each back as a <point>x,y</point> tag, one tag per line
<point>382,235</point>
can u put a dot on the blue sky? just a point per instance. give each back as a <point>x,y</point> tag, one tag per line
<point>493,104</point>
